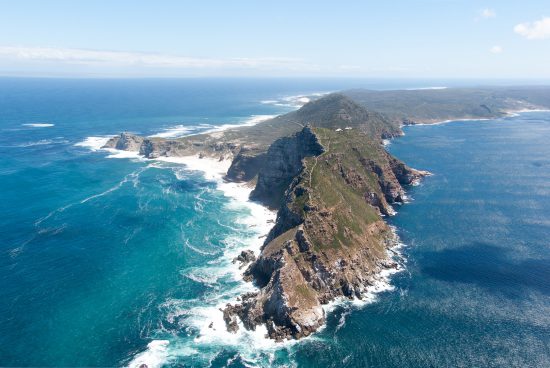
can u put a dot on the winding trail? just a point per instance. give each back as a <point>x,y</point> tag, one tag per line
<point>317,160</point>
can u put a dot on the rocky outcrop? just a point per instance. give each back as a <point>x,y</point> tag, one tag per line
<point>244,258</point>
<point>404,174</point>
<point>158,147</point>
<point>245,166</point>
<point>286,304</point>
<point>125,142</point>
<point>282,162</point>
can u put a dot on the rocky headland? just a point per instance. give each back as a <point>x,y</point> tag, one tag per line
<point>325,170</point>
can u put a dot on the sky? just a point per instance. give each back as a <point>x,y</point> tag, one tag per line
<point>378,39</point>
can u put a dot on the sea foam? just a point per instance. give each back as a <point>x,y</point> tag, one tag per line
<point>94,143</point>
<point>39,125</point>
<point>295,101</point>
<point>41,142</point>
<point>178,131</point>
<point>204,316</point>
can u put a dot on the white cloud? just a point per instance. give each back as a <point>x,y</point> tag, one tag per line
<point>487,13</point>
<point>537,30</point>
<point>139,59</point>
<point>496,49</point>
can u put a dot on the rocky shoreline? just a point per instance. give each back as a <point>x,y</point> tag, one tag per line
<point>332,182</point>
<point>324,169</point>
<point>303,265</point>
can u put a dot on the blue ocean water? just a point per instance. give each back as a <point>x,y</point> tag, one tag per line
<point>108,262</point>
<point>476,289</point>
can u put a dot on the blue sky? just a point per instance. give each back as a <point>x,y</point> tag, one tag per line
<point>401,39</point>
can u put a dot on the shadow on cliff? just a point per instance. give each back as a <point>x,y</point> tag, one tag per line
<point>490,267</point>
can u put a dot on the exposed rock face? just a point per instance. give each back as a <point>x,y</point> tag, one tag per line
<point>245,166</point>
<point>403,173</point>
<point>287,305</point>
<point>158,147</point>
<point>125,142</point>
<point>329,240</point>
<point>282,163</point>
<point>154,149</point>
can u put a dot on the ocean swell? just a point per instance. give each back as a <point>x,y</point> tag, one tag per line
<point>203,315</point>
<point>201,330</point>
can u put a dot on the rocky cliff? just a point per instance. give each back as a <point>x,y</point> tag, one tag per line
<point>332,181</point>
<point>329,239</point>
<point>281,163</point>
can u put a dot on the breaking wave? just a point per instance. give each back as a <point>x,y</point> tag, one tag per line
<point>295,101</point>
<point>38,125</point>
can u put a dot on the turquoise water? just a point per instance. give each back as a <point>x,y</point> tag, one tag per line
<point>107,262</point>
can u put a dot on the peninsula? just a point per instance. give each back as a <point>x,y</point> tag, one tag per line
<point>325,169</point>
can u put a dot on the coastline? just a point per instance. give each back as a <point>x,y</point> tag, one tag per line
<point>159,239</point>
<point>379,272</point>
<point>508,114</point>
<point>209,319</point>
<point>180,131</point>
<point>381,281</point>
<point>210,323</point>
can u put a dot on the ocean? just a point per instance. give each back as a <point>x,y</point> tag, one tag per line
<point>108,259</point>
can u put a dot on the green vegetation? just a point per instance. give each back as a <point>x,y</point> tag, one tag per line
<point>331,111</point>
<point>427,106</point>
<point>380,113</point>
<point>339,200</point>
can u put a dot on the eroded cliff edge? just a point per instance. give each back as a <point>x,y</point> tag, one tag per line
<point>332,182</point>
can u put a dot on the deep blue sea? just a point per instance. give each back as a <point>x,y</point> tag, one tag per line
<point>109,261</point>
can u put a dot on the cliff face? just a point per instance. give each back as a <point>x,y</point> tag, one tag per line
<point>125,142</point>
<point>329,239</point>
<point>282,162</point>
<point>245,166</point>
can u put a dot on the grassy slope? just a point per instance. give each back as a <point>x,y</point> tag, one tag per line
<point>328,190</point>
